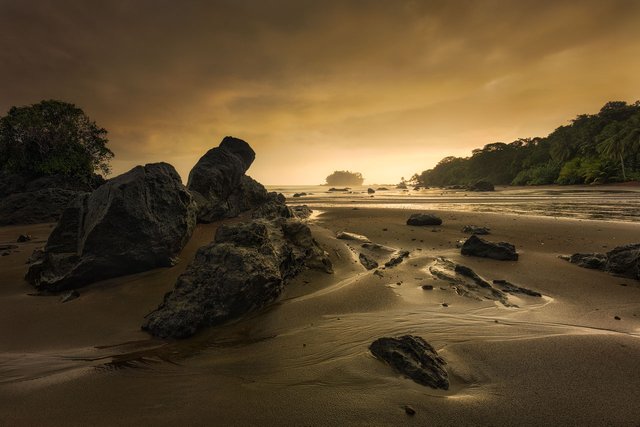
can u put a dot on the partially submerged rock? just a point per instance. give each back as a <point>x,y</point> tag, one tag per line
<point>474,229</point>
<point>621,261</point>
<point>301,211</point>
<point>135,222</point>
<point>245,268</point>
<point>370,190</point>
<point>475,246</point>
<point>397,259</point>
<point>414,358</point>
<point>23,238</point>
<point>424,219</point>
<point>367,262</point>
<point>219,184</point>
<point>345,235</point>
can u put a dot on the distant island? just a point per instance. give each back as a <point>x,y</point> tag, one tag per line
<point>593,149</point>
<point>345,178</point>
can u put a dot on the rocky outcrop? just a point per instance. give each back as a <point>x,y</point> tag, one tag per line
<point>414,358</point>
<point>219,184</point>
<point>31,200</point>
<point>474,229</point>
<point>482,186</point>
<point>622,261</point>
<point>136,221</point>
<point>421,219</point>
<point>475,246</point>
<point>245,268</point>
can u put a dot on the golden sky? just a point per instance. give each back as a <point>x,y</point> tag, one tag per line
<point>386,87</point>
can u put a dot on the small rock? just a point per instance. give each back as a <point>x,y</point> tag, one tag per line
<point>616,317</point>
<point>475,246</point>
<point>444,304</point>
<point>474,229</point>
<point>299,194</point>
<point>370,190</point>
<point>409,410</point>
<point>427,287</point>
<point>396,259</point>
<point>69,296</point>
<point>23,238</point>
<point>421,219</point>
<point>345,235</point>
<point>367,262</point>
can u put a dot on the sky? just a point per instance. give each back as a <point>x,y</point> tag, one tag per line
<point>382,87</point>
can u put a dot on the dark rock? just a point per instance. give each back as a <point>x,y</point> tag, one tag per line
<point>33,207</point>
<point>445,305</point>
<point>69,296</point>
<point>409,410</point>
<point>244,269</point>
<point>621,261</point>
<point>345,235</point>
<point>414,358</point>
<point>427,287</point>
<point>424,219</point>
<point>274,207</point>
<point>514,289</point>
<point>370,190</point>
<point>383,189</point>
<point>301,211</point>
<point>474,229</point>
<point>333,189</point>
<point>299,194</point>
<point>367,262</point>
<point>135,222</point>
<point>482,186</point>
<point>219,184</point>
<point>23,238</point>
<point>396,259</point>
<point>616,317</point>
<point>475,246</point>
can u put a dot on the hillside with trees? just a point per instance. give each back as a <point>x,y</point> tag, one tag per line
<point>592,149</point>
<point>345,178</point>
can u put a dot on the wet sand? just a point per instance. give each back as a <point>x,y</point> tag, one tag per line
<point>561,359</point>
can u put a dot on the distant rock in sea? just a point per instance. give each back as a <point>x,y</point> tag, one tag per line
<point>219,185</point>
<point>414,358</point>
<point>475,246</point>
<point>622,261</point>
<point>135,222</point>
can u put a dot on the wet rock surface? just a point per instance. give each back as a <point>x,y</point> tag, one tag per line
<point>475,246</point>
<point>421,219</point>
<point>474,229</point>
<point>396,259</point>
<point>622,261</point>
<point>368,262</point>
<point>345,235</point>
<point>245,268</point>
<point>135,222</point>
<point>414,358</point>
<point>219,184</point>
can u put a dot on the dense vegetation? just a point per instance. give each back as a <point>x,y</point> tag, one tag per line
<point>52,138</point>
<point>598,148</point>
<point>345,178</point>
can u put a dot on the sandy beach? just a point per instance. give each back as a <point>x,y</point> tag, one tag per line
<point>559,359</point>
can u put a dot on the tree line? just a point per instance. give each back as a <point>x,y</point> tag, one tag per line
<point>592,149</point>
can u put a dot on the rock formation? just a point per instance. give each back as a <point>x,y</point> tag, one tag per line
<point>414,358</point>
<point>475,246</point>
<point>621,261</point>
<point>219,184</point>
<point>245,268</point>
<point>134,222</point>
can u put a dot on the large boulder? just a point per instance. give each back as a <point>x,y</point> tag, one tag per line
<point>219,184</point>
<point>245,268</point>
<point>31,200</point>
<point>134,222</point>
<point>621,261</point>
<point>475,246</point>
<point>414,358</point>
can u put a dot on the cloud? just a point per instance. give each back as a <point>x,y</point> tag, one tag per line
<point>333,82</point>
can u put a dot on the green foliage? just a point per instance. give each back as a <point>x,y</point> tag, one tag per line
<point>52,137</point>
<point>592,149</point>
<point>345,178</point>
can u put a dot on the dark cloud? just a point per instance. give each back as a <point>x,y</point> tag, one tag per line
<point>317,86</point>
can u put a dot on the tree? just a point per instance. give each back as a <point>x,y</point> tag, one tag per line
<point>52,137</point>
<point>345,178</point>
